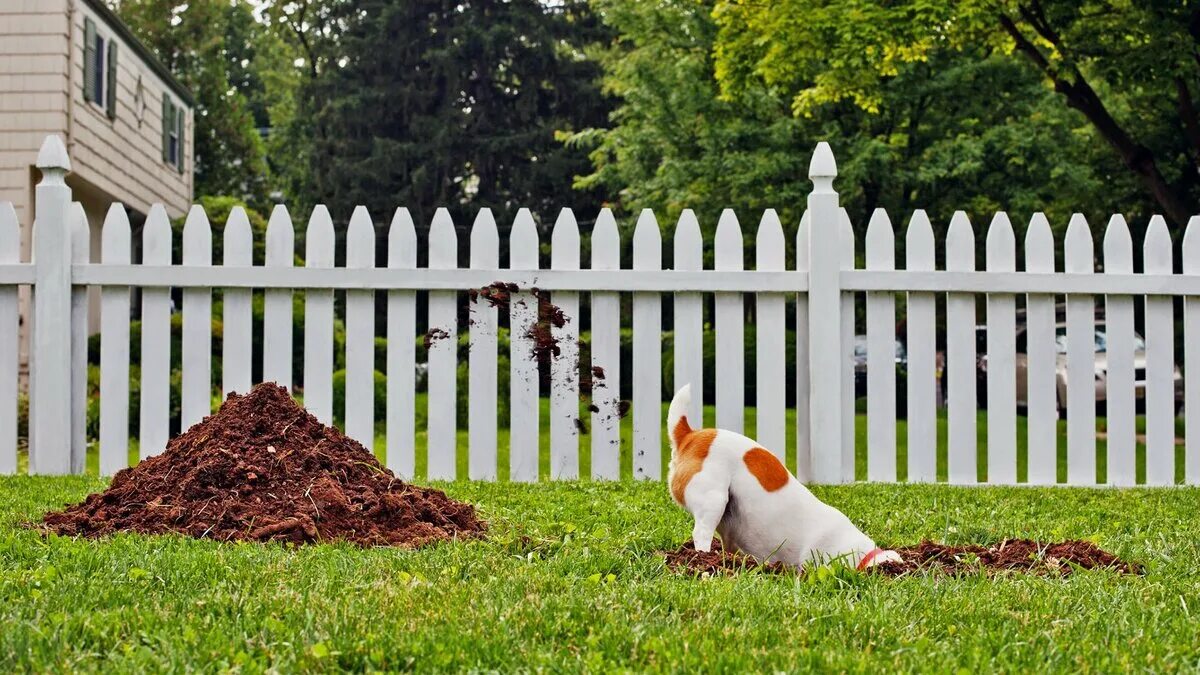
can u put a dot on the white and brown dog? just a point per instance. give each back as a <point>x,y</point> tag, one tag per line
<point>733,486</point>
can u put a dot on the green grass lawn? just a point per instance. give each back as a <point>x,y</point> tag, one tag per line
<point>570,580</point>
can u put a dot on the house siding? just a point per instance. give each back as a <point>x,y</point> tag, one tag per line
<point>41,93</point>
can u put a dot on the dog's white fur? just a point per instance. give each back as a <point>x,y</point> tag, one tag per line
<point>788,524</point>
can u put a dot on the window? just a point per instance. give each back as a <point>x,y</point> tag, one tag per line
<point>99,69</point>
<point>174,118</point>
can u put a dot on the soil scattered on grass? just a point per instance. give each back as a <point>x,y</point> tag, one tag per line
<point>264,469</point>
<point>1011,555</point>
<point>1016,555</point>
<point>687,560</point>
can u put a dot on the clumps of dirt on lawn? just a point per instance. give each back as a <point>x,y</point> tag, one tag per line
<point>687,560</point>
<point>264,469</point>
<point>1011,555</point>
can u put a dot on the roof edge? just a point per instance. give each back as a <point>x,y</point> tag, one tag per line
<point>153,61</point>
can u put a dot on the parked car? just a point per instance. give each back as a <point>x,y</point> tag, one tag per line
<point>860,372</point>
<point>1101,365</point>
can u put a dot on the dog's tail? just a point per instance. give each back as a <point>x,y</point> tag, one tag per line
<point>677,422</point>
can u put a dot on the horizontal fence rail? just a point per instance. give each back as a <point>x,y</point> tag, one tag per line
<point>996,367</point>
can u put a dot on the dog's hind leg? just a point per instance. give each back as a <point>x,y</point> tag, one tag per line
<point>707,507</point>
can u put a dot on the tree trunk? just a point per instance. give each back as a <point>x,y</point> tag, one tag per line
<point>1137,158</point>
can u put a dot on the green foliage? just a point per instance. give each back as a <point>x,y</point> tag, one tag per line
<point>339,398</point>
<point>1128,69</point>
<point>214,47</point>
<point>445,103</point>
<point>964,129</point>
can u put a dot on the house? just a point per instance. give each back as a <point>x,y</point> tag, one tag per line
<point>72,68</point>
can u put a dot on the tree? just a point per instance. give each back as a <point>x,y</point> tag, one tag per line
<point>1127,68</point>
<point>938,140</point>
<point>211,46</point>
<point>446,103</point>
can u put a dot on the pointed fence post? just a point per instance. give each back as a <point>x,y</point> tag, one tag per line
<point>359,414</point>
<point>50,404</point>
<point>825,301</point>
<point>116,247</point>
<point>196,395</point>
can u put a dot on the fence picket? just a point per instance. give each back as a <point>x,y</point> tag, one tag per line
<point>443,353</point>
<point>277,303</point>
<point>849,418</point>
<point>115,249</point>
<point>153,406</point>
<point>803,427</point>
<point>1041,396</point>
<point>319,244</point>
<point>564,367</point>
<point>238,333</point>
<point>1001,349</point>
<point>10,253</point>
<point>1119,379</point>
<point>524,414</point>
<point>730,318</point>
<point>196,395</point>
<point>482,359</point>
<point>81,245</point>
<point>1160,360</point>
<point>961,394</point>
<point>881,354</point>
<point>647,354</point>
<point>360,333</point>
<point>1078,256</point>
<point>1191,357</point>
<point>921,342</point>
<point>401,351</point>
<point>770,397</point>
<point>606,354</point>
<point>689,316</point>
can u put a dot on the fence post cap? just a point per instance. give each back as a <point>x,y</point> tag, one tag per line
<point>53,154</point>
<point>822,164</point>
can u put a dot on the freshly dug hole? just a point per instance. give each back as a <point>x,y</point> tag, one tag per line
<point>1016,555</point>
<point>263,469</point>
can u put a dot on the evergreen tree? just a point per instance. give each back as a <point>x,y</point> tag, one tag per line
<point>431,103</point>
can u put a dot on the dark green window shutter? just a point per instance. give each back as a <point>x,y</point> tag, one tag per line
<point>180,119</point>
<point>110,88</point>
<point>168,121</point>
<point>89,60</point>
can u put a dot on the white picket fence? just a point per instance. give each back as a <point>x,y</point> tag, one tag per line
<point>823,285</point>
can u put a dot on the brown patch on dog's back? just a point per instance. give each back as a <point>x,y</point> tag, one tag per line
<point>692,450</point>
<point>769,471</point>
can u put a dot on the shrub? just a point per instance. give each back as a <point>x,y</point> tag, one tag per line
<point>339,398</point>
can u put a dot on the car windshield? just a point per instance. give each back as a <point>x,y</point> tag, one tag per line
<point>1060,339</point>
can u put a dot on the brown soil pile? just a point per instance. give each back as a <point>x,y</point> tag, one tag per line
<point>1012,555</point>
<point>264,469</point>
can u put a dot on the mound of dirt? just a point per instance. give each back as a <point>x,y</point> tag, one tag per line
<point>263,469</point>
<point>1011,555</point>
